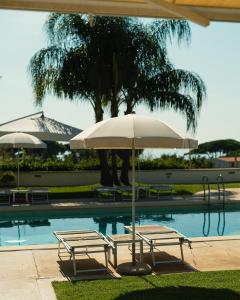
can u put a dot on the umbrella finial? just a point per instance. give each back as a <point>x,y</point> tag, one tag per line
<point>42,116</point>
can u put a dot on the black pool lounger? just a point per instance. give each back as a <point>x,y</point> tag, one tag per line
<point>39,196</point>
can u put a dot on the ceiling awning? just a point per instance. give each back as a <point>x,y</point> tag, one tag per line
<point>199,11</point>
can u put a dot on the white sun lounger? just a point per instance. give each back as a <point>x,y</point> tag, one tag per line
<point>83,242</point>
<point>156,237</point>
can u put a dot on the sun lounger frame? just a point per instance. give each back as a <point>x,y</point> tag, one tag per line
<point>39,196</point>
<point>158,189</point>
<point>5,197</point>
<point>73,251</point>
<point>174,238</point>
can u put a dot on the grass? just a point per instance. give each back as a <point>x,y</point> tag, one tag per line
<point>224,285</point>
<point>89,191</point>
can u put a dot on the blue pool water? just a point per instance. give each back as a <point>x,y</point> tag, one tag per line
<point>36,227</point>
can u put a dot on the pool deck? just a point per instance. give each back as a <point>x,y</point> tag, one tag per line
<point>27,271</point>
<point>232,197</point>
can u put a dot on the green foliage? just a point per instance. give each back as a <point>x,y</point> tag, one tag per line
<point>70,164</point>
<point>174,162</point>
<point>7,179</point>
<point>130,56</point>
<point>226,146</point>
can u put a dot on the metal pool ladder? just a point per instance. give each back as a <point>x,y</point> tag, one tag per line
<point>221,189</point>
<point>206,189</point>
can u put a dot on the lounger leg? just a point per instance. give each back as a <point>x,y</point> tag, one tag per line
<point>106,258</point>
<point>59,249</point>
<point>181,249</point>
<point>115,256</point>
<point>74,264</point>
<point>152,253</point>
<point>141,251</point>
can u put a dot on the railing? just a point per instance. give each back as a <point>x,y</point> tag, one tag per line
<point>221,189</point>
<point>207,222</point>
<point>206,189</point>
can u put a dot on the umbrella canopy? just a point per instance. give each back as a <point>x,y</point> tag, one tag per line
<point>198,11</point>
<point>19,140</point>
<point>131,132</point>
<point>44,128</point>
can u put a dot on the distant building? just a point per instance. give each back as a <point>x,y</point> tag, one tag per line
<point>227,162</point>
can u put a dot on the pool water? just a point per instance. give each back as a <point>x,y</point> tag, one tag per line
<point>37,227</point>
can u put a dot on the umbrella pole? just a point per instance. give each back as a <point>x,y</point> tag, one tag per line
<point>133,209</point>
<point>18,181</point>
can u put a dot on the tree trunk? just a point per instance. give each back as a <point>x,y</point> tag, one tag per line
<point>114,168</point>
<point>105,175</point>
<point>114,113</point>
<point>125,154</point>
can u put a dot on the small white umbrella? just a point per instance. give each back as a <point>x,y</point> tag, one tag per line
<point>19,140</point>
<point>131,132</point>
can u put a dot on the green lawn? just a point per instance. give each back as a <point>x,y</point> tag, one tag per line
<point>195,286</point>
<point>88,191</point>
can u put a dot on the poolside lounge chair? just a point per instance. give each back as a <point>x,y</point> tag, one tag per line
<point>83,242</point>
<point>39,196</point>
<point>101,191</point>
<point>159,236</point>
<point>160,188</point>
<point>5,197</point>
<point>128,190</point>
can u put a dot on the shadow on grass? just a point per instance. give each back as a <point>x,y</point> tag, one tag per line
<point>181,292</point>
<point>86,265</point>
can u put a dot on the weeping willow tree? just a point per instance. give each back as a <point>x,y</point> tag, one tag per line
<point>111,62</point>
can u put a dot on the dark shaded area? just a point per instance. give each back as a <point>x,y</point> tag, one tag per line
<point>180,292</point>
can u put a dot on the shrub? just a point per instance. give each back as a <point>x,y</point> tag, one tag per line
<point>8,179</point>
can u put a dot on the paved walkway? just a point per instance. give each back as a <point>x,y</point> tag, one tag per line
<point>26,272</point>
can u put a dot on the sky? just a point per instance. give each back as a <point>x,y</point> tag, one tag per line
<point>214,54</point>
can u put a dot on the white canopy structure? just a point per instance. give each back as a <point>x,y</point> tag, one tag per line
<point>131,132</point>
<point>199,11</point>
<point>18,140</point>
<point>44,128</point>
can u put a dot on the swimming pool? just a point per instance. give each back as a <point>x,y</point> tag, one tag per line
<point>27,228</point>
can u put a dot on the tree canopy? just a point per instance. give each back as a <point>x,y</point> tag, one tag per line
<point>218,148</point>
<point>113,63</point>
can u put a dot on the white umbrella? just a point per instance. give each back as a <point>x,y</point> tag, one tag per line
<point>131,132</point>
<point>44,128</point>
<point>19,140</point>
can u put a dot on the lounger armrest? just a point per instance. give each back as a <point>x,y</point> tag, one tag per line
<point>189,242</point>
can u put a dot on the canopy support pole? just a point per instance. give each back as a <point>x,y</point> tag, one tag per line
<point>133,208</point>
<point>18,172</point>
